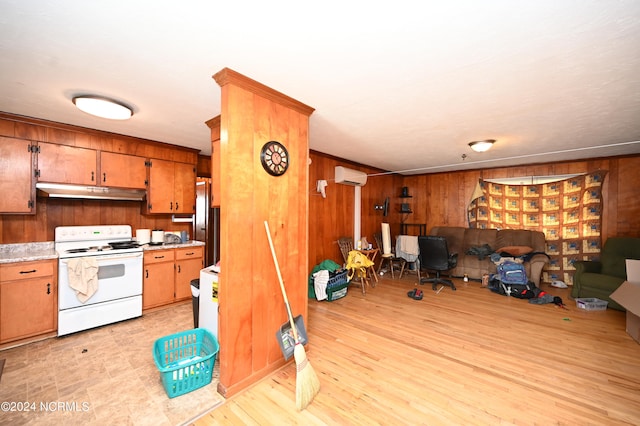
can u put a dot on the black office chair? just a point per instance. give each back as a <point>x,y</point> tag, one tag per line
<point>434,255</point>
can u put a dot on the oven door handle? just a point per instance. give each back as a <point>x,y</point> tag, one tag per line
<point>109,257</point>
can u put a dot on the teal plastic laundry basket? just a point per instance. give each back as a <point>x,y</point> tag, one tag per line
<point>185,360</point>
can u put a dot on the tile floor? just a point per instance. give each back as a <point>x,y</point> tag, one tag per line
<point>101,376</point>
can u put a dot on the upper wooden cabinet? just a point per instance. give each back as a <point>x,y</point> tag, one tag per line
<point>122,171</point>
<point>67,164</point>
<point>184,188</point>
<point>172,187</point>
<point>73,165</point>
<point>16,176</point>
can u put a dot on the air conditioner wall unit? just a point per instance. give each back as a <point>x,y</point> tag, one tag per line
<point>350,176</point>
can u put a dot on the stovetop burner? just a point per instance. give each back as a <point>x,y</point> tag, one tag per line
<point>118,245</point>
<point>100,248</point>
<point>79,250</point>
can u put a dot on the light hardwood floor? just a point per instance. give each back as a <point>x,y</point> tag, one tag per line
<point>463,357</point>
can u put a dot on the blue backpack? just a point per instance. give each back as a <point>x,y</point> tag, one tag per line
<point>511,280</point>
<point>512,273</point>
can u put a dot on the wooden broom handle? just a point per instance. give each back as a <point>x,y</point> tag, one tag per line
<point>284,293</point>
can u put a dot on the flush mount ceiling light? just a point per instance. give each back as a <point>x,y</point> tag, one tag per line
<point>103,107</point>
<point>482,146</point>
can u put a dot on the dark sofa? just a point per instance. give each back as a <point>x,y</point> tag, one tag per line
<point>602,277</point>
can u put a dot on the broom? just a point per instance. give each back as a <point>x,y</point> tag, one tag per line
<point>307,383</point>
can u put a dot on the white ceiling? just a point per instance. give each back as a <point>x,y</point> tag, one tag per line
<point>401,85</point>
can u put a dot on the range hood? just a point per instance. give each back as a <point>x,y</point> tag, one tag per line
<point>58,190</point>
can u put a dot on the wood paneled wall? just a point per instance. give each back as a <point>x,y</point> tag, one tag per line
<point>441,199</point>
<point>51,213</point>
<point>332,217</point>
<point>251,302</point>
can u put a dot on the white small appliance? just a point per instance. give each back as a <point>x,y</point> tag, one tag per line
<point>143,236</point>
<point>157,236</point>
<point>208,300</point>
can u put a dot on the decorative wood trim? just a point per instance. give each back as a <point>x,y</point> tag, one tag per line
<point>227,75</point>
<point>213,122</point>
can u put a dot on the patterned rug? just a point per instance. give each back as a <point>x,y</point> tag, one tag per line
<point>569,212</point>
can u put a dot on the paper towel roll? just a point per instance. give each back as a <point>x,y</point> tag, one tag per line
<point>386,239</point>
<point>143,236</point>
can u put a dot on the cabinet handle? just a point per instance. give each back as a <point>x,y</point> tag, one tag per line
<point>28,272</point>
<point>178,268</point>
<point>191,253</point>
<point>171,205</point>
<point>146,273</point>
<point>176,206</point>
<point>158,257</point>
<point>48,288</point>
<point>93,177</point>
<point>104,177</point>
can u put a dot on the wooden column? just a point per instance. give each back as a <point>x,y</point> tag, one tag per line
<point>251,303</point>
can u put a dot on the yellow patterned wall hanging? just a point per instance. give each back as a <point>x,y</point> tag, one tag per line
<point>569,212</point>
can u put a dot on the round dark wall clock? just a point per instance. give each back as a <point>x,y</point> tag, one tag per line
<point>274,158</point>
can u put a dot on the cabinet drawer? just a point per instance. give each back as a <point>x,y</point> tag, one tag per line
<point>26,270</point>
<point>157,256</point>
<point>189,253</point>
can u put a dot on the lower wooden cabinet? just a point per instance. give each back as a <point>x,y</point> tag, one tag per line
<point>158,278</point>
<point>168,274</point>
<point>189,262</point>
<point>28,299</point>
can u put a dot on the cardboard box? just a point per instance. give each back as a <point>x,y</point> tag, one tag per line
<point>628,295</point>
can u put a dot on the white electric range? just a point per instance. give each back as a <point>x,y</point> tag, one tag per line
<point>118,295</point>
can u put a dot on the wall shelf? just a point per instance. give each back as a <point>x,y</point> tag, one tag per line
<point>405,208</point>
<point>422,228</point>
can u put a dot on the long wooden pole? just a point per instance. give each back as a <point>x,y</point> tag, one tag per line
<point>281,281</point>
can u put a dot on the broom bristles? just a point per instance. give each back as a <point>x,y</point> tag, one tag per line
<point>307,383</point>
